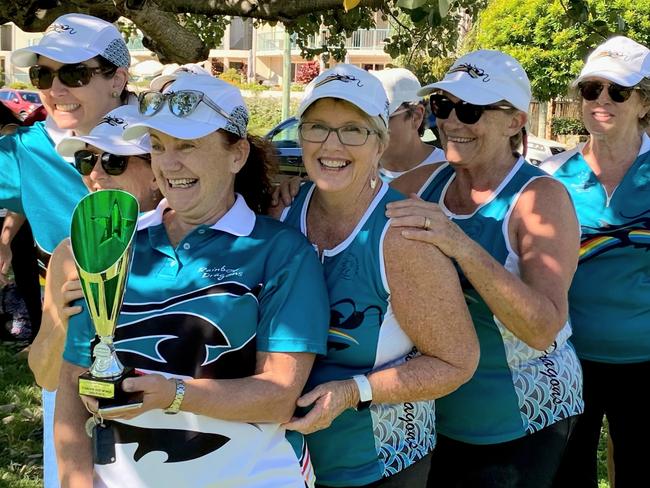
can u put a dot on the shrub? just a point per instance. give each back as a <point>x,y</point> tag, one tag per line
<point>19,85</point>
<point>231,75</point>
<point>567,125</point>
<point>297,87</point>
<point>254,87</point>
<point>266,113</point>
<point>306,72</point>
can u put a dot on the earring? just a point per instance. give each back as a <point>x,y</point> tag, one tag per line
<point>115,94</point>
<point>373,182</point>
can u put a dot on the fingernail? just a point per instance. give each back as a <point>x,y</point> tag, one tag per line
<point>126,385</point>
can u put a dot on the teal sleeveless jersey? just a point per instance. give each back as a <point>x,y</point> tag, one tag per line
<point>36,182</point>
<point>610,293</point>
<point>363,446</point>
<point>516,390</point>
<point>203,309</point>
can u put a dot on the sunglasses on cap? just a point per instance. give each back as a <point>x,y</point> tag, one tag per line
<point>181,103</point>
<point>591,90</point>
<point>70,75</point>
<point>467,113</point>
<point>112,164</point>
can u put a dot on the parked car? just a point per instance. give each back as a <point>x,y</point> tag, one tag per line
<point>20,102</point>
<point>284,137</point>
<point>540,149</point>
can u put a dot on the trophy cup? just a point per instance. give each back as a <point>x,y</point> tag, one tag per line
<point>103,226</point>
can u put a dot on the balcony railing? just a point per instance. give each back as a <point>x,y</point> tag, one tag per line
<point>367,39</point>
<point>274,41</point>
<point>372,39</point>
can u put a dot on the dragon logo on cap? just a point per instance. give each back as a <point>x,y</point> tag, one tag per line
<point>113,121</point>
<point>612,54</point>
<point>338,77</point>
<point>61,28</point>
<point>474,71</point>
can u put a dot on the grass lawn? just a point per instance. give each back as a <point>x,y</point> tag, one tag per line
<point>20,427</point>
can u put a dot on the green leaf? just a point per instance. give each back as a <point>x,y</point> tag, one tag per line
<point>443,8</point>
<point>418,15</point>
<point>410,4</point>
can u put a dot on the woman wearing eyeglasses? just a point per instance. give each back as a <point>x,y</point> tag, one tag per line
<point>512,232</point>
<point>400,335</point>
<point>80,69</point>
<point>224,311</point>
<point>609,298</point>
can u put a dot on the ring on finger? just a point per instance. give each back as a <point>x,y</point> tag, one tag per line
<point>427,224</point>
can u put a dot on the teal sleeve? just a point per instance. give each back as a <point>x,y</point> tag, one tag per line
<point>294,306</point>
<point>10,187</point>
<point>77,342</point>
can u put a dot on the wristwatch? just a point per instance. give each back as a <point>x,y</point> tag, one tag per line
<point>365,391</point>
<point>175,406</point>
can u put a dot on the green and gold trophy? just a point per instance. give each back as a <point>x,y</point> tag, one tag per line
<point>103,226</point>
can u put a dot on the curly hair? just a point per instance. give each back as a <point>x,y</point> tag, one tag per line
<point>254,180</point>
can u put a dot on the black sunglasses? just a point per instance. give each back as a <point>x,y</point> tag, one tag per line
<point>112,164</point>
<point>467,113</point>
<point>70,75</point>
<point>591,90</point>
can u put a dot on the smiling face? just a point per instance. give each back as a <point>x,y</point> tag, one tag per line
<point>197,176</point>
<point>137,179</point>
<point>335,167</point>
<point>81,108</point>
<point>606,117</point>
<point>488,140</point>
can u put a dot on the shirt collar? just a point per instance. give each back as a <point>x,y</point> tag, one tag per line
<point>57,134</point>
<point>239,220</point>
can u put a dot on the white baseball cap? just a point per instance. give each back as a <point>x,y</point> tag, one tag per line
<point>173,71</point>
<point>349,83</point>
<point>401,86</point>
<point>619,59</point>
<point>203,120</point>
<point>485,77</point>
<point>73,38</point>
<point>107,135</point>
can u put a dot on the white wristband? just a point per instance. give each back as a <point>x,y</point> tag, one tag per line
<point>365,390</point>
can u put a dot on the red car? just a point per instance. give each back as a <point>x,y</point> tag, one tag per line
<point>20,102</point>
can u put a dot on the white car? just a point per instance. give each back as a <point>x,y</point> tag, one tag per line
<point>540,149</point>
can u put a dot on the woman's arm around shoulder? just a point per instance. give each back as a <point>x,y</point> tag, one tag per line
<point>428,303</point>
<point>61,288</point>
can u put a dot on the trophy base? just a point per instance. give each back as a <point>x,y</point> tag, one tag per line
<point>108,391</point>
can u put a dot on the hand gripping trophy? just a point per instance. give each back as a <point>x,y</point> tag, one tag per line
<point>103,226</point>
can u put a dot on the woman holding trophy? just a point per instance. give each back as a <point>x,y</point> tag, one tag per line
<point>223,310</point>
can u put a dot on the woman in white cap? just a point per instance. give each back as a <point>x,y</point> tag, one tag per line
<point>80,69</point>
<point>224,310</point>
<point>609,298</point>
<point>400,335</point>
<point>406,124</point>
<point>512,231</point>
<point>104,161</point>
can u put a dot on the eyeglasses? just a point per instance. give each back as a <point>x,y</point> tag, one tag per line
<point>70,75</point>
<point>112,164</point>
<point>591,90</point>
<point>181,103</point>
<point>467,113</point>
<point>349,135</point>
